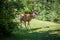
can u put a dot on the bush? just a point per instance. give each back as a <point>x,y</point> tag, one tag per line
<point>6,18</point>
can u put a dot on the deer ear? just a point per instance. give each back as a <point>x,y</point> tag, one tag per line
<point>36,13</point>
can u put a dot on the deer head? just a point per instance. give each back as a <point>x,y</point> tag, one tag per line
<point>34,13</point>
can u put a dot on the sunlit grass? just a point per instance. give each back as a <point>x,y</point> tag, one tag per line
<point>37,25</point>
<point>44,25</point>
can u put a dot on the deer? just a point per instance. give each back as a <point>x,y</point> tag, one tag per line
<point>26,18</point>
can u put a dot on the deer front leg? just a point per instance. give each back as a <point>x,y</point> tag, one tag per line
<point>28,25</point>
<point>25,25</point>
<point>20,23</point>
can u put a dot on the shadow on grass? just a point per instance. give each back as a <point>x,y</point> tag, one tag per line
<point>25,35</point>
<point>36,28</point>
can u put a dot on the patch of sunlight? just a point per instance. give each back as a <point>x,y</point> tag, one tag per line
<point>37,24</point>
<point>55,32</point>
<point>45,23</point>
<point>44,29</point>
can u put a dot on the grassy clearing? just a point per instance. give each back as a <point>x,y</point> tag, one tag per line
<point>40,30</point>
<point>44,25</point>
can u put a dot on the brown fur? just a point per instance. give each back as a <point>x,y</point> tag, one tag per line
<point>26,17</point>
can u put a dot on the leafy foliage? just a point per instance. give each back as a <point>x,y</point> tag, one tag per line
<point>48,10</point>
<point>6,18</point>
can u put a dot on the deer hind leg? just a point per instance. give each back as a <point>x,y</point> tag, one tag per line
<point>20,23</point>
<point>21,17</point>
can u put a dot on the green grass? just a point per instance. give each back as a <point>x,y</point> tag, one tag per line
<point>40,30</point>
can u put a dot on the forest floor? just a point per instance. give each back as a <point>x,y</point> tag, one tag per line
<point>40,30</point>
